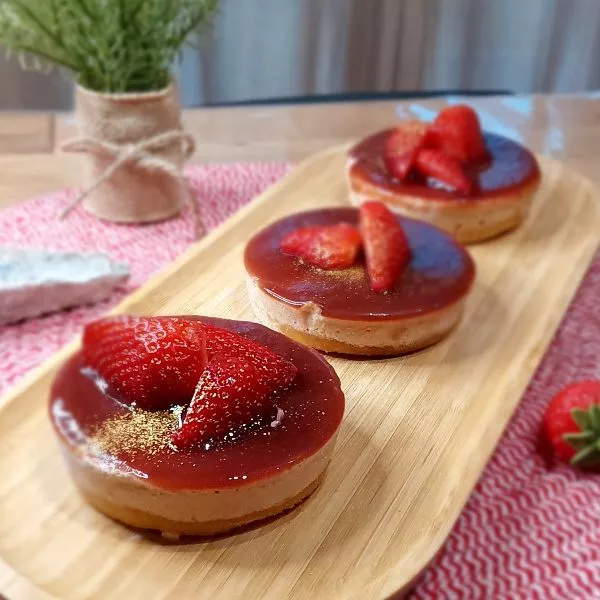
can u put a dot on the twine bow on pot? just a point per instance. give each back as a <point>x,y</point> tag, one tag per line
<point>139,153</point>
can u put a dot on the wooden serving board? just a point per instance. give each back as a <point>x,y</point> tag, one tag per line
<point>416,436</point>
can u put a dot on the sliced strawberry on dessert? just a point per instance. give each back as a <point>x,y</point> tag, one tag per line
<point>400,149</point>
<point>444,168</point>
<point>327,247</point>
<point>148,362</point>
<point>386,247</point>
<point>223,342</point>
<point>234,392</point>
<point>572,423</point>
<point>456,131</point>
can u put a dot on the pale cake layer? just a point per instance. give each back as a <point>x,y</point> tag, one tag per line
<point>144,520</point>
<point>130,498</point>
<point>309,326</point>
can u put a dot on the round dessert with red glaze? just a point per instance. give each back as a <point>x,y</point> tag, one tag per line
<point>338,311</point>
<point>124,462</point>
<point>502,186</point>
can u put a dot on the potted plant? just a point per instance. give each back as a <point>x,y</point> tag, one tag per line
<point>119,53</point>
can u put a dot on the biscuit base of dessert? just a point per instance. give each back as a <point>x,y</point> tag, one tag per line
<point>387,337</point>
<point>468,220</point>
<point>129,499</point>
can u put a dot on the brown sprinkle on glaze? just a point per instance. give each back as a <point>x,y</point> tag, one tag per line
<point>137,431</point>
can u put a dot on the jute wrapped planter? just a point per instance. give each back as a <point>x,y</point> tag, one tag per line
<point>134,149</point>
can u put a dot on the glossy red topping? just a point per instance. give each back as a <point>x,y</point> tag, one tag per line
<point>234,390</point>
<point>148,362</point>
<point>509,168</point>
<point>330,247</point>
<point>90,420</point>
<point>386,246</point>
<point>439,273</point>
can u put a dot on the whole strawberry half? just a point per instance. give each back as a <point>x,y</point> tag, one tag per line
<point>456,131</point>
<point>327,247</point>
<point>149,362</point>
<point>444,168</point>
<point>572,423</point>
<point>401,147</point>
<point>386,246</point>
<point>233,392</point>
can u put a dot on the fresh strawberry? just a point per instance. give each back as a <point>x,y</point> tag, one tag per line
<point>223,342</point>
<point>386,247</point>
<point>444,168</point>
<point>234,392</point>
<point>327,247</point>
<point>572,423</point>
<point>149,362</point>
<point>456,131</point>
<point>400,149</point>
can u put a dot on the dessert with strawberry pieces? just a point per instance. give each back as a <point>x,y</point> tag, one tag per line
<point>194,425</point>
<point>473,184</point>
<point>358,281</point>
<point>572,424</point>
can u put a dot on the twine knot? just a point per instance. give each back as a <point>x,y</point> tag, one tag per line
<point>142,153</point>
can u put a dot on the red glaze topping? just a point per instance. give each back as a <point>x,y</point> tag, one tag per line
<point>439,273</point>
<point>511,167</point>
<point>83,415</point>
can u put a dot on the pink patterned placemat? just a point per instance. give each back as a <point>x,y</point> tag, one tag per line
<point>531,529</point>
<point>147,249</point>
